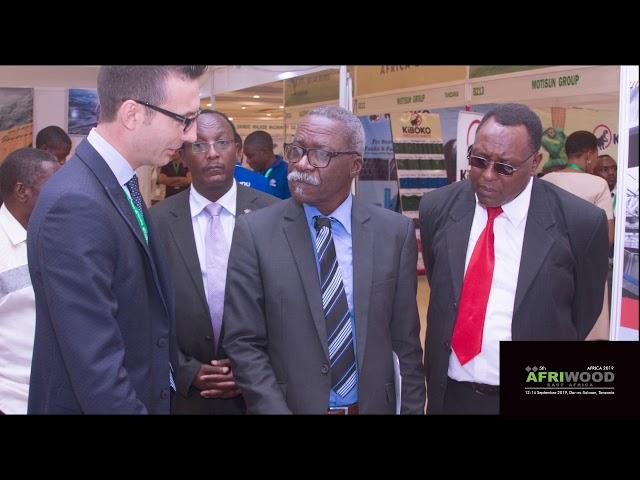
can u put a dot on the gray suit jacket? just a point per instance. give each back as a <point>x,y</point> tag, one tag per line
<point>560,286</point>
<point>104,302</point>
<point>275,331</point>
<point>193,321</point>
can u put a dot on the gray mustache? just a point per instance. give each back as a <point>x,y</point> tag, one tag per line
<point>303,177</point>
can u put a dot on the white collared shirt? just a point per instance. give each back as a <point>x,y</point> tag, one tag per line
<point>508,229</point>
<point>200,218</point>
<point>17,315</point>
<point>114,160</point>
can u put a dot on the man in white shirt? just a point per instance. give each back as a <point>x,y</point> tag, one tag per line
<point>508,257</point>
<point>22,175</point>
<point>204,377</point>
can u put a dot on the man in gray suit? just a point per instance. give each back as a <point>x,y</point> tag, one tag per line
<point>204,376</point>
<point>535,259</point>
<point>321,288</point>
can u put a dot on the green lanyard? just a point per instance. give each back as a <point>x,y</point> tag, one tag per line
<point>575,167</point>
<point>267,173</point>
<point>139,218</point>
<point>176,167</point>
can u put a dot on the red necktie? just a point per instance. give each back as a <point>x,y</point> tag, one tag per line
<point>467,333</point>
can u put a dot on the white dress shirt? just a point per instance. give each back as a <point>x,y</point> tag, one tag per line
<point>114,160</point>
<point>17,315</point>
<point>508,229</point>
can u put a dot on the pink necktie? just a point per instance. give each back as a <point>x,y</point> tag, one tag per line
<point>216,255</point>
<point>467,333</point>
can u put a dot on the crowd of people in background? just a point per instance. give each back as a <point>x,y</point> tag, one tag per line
<point>273,289</point>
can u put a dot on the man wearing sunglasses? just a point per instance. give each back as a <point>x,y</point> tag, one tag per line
<point>104,338</point>
<point>508,257</point>
<point>321,288</point>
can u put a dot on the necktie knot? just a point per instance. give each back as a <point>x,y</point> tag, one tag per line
<point>320,222</point>
<point>493,212</point>
<point>213,209</point>
<point>134,190</point>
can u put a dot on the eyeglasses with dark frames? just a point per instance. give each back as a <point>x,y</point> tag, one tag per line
<point>187,122</point>
<point>219,145</point>
<point>317,157</point>
<point>500,168</point>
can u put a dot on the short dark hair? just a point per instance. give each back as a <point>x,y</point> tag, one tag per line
<point>515,114</point>
<point>223,116</point>
<point>261,139</point>
<point>23,165</point>
<point>52,136</point>
<point>237,139</point>
<point>579,142</point>
<point>138,82</point>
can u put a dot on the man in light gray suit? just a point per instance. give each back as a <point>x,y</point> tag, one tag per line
<point>321,288</point>
<point>204,378</point>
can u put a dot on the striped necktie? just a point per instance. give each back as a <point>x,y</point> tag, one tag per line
<point>336,312</point>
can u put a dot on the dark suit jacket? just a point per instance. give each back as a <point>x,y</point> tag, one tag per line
<point>563,268</point>
<point>193,320</point>
<point>104,307</point>
<point>275,330</point>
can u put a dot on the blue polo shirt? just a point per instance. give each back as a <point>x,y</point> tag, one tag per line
<point>252,179</point>
<point>276,175</point>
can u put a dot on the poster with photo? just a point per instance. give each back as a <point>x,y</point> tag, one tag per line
<point>624,296</point>
<point>378,181</point>
<point>84,110</point>
<point>16,119</point>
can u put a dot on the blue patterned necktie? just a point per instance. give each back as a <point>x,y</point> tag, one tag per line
<point>134,190</point>
<point>336,312</point>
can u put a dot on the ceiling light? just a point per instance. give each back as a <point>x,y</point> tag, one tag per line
<point>281,106</point>
<point>230,118</point>
<point>285,75</point>
<point>243,108</point>
<point>209,104</point>
<point>256,96</point>
<point>268,114</point>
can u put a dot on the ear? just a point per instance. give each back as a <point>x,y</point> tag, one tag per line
<point>534,163</point>
<point>356,166</point>
<point>20,190</point>
<point>130,114</point>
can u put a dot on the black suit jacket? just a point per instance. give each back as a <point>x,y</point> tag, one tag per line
<point>275,330</point>
<point>104,302</point>
<point>193,320</point>
<point>562,273</point>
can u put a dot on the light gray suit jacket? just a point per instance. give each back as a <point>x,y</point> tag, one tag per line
<point>194,331</point>
<point>275,332</point>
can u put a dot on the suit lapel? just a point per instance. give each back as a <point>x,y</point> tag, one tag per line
<point>297,232</point>
<point>458,237</point>
<point>181,229</point>
<point>87,154</point>
<point>362,248</point>
<point>537,242</point>
<point>245,199</point>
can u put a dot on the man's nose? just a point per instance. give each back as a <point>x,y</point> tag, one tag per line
<point>303,163</point>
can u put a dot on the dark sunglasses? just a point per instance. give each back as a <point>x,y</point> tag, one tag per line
<point>500,168</point>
